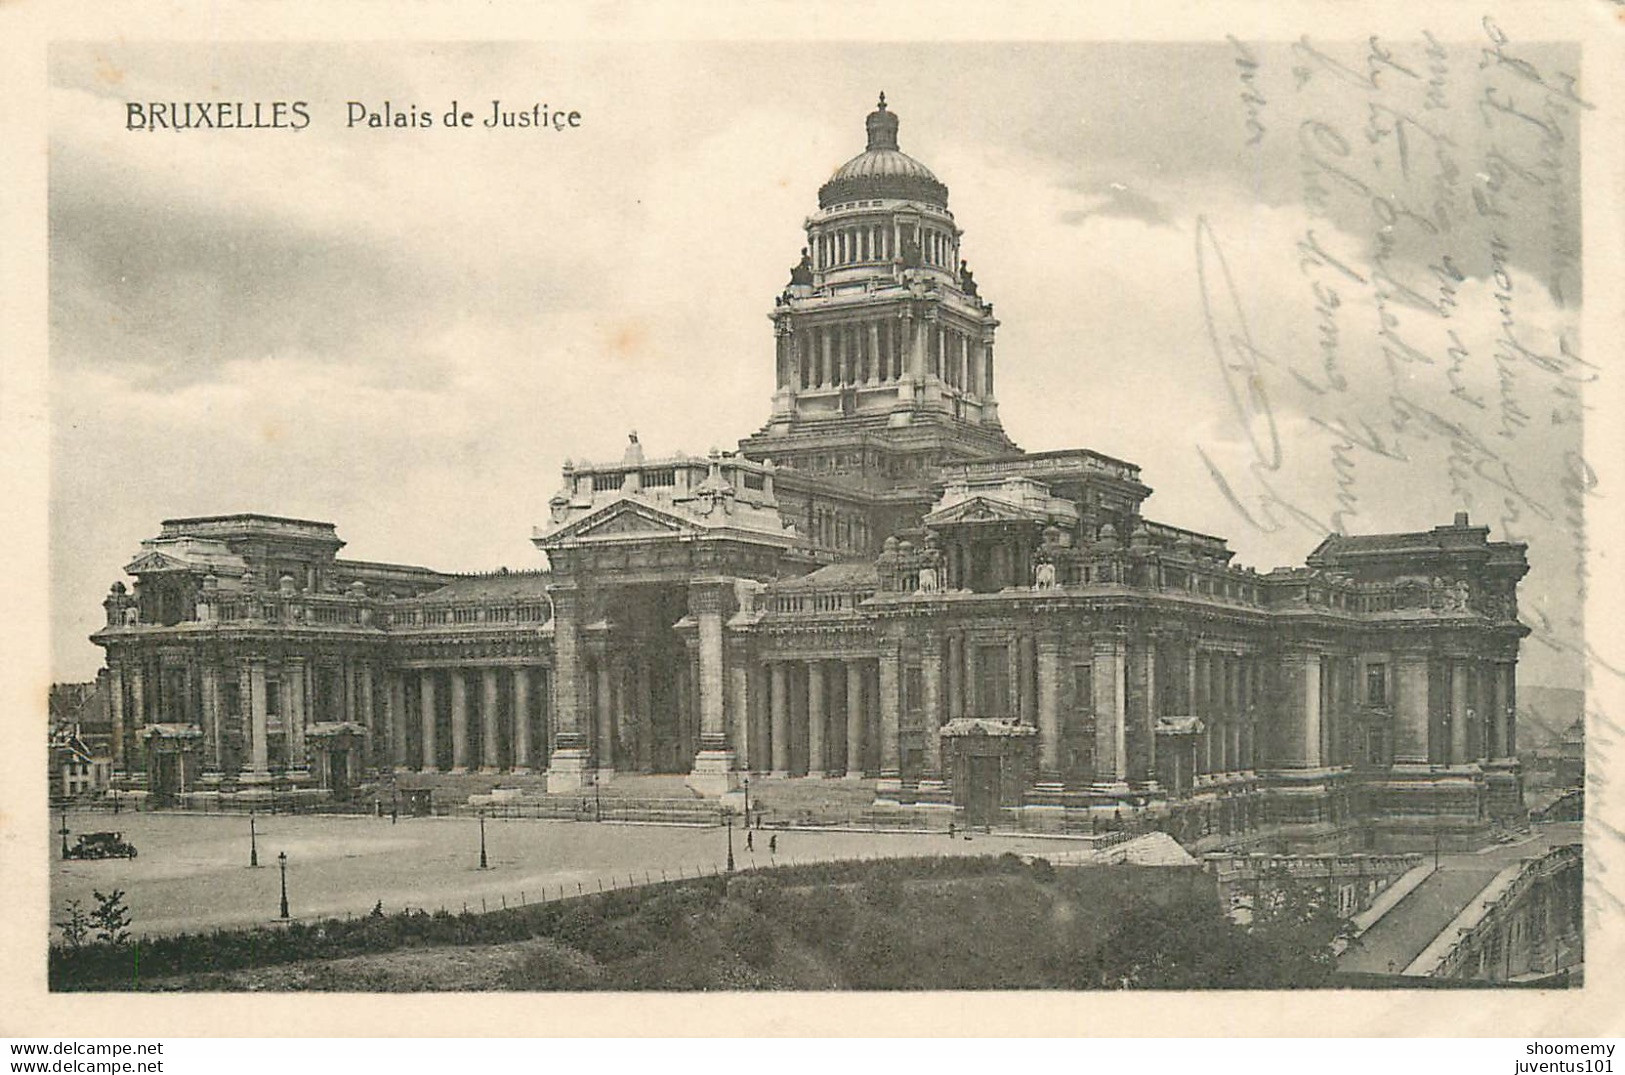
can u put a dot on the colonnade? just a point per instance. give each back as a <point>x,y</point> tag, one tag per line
<point>869,350</point>
<point>495,716</point>
<point>251,713</point>
<point>820,717</point>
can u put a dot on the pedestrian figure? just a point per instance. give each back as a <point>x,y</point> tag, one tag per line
<point>773,844</point>
<point>748,845</point>
<point>392,812</point>
<point>950,830</point>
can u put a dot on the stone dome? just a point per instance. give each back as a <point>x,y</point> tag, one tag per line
<point>882,170</point>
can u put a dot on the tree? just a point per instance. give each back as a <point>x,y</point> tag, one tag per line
<point>111,918</point>
<point>76,926</point>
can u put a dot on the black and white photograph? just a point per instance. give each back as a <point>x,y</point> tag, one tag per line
<point>698,515</point>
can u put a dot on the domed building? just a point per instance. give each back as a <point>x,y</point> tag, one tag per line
<point>877,586</point>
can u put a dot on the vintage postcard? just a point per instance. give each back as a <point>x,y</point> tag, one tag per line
<point>1018,508</point>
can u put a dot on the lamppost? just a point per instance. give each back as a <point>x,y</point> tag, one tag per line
<point>64,831</point>
<point>483,863</point>
<point>746,784</point>
<point>730,843</point>
<point>282,861</point>
<point>253,842</point>
<point>597,802</point>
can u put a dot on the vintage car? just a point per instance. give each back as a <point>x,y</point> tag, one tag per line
<point>102,845</point>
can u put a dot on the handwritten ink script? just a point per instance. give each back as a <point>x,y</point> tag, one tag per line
<point>1402,342</point>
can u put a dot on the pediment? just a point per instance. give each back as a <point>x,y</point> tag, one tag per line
<point>629,522</point>
<point>982,509</point>
<point>152,562</point>
<point>622,519</point>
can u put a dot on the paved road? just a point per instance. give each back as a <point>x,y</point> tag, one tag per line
<point>1411,924</point>
<point>192,872</point>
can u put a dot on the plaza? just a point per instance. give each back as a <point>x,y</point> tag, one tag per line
<point>193,872</point>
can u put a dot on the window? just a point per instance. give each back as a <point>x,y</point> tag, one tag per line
<point>605,482</point>
<point>273,697</point>
<point>1376,684</point>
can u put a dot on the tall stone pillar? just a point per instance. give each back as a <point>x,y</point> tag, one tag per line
<point>1145,715</point>
<point>1049,707</point>
<point>395,701</point>
<point>1411,708</point>
<point>1111,729</point>
<point>713,772</point>
<point>211,718</point>
<point>259,747</point>
<point>956,675</point>
<point>490,726</point>
<point>367,704</point>
<point>854,719</point>
<point>817,719</point>
<point>604,717</point>
<point>568,764</point>
<point>739,707</point>
<point>294,718</point>
<point>780,718</point>
<point>1302,721</point>
<point>426,715</point>
<point>115,712</point>
<point>890,725</point>
<point>1459,671</point>
<point>459,721</point>
<point>931,703</point>
<point>521,719</point>
<point>1027,674</point>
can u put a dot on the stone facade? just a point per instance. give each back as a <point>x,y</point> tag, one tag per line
<point>877,585</point>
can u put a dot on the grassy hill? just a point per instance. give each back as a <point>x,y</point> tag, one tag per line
<point>960,923</point>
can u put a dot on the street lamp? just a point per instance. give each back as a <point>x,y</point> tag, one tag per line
<point>64,831</point>
<point>483,863</point>
<point>597,802</point>
<point>730,843</point>
<point>746,785</point>
<point>282,861</point>
<point>253,842</point>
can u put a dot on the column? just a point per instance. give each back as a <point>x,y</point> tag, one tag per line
<point>259,748</point>
<point>854,719</point>
<point>569,759</point>
<point>1500,719</point>
<point>604,740</point>
<point>874,352</point>
<point>713,773</point>
<point>211,718</point>
<point>826,366</point>
<point>1110,711</point>
<point>373,751</point>
<point>426,715</point>
<point>1049,707</point>
<point>1302,716</point>
<point>294,717</point>
<point>780,719</point>
<point>521,719</point>
<point>459,721</point>
<point>395,700</point>
<point>890,761</point>
<point>1026,668</point>
<point>956,676</point>
<point>115,711</point>
<point>1147,722</point>
<point>1411,708</point>
<point>739,707</point>
<point>973,701</point>
<point>816,719</point>
<point>490,704</point>
<point>1458,712</point>
<point>931,702</point>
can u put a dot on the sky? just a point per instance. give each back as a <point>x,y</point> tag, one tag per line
<point>1305,288</point>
